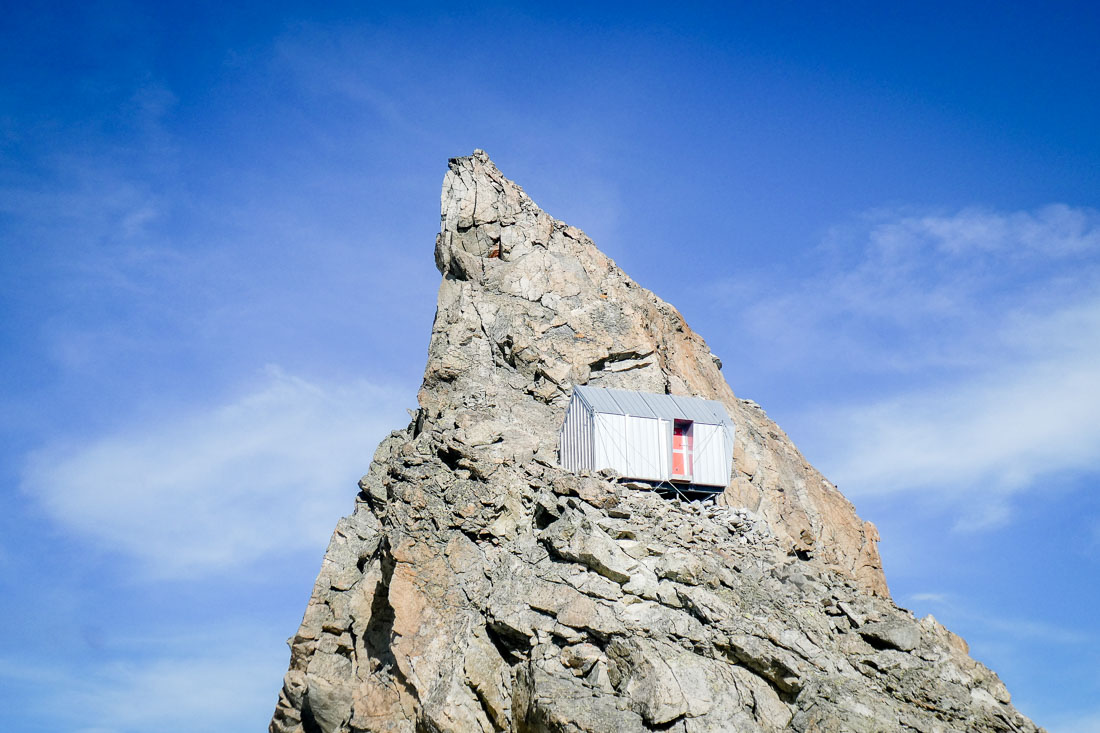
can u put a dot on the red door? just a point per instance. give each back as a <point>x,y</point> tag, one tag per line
<point>682,450</point>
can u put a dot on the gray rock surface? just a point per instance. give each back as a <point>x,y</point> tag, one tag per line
<point>479,587</point>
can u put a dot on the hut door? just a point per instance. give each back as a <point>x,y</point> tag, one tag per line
<point>682,450</point>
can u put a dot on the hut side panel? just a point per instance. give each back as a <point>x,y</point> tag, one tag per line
<point>711,466</point>
<point>630,445</point>
<point>664,440</point>
<point>644,454</point>
<point>576,438</point>
<point>607,434</point>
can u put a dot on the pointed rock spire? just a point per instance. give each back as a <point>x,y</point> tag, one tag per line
<point>477,586</point>
<point>529,306</point>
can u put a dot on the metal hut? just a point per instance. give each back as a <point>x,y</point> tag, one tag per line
<point>652,437</point>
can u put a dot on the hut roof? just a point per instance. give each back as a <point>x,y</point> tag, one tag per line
<point>648,404</point>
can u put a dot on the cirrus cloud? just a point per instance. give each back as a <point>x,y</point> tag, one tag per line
<point>959,349</point>
<point>222,486</point>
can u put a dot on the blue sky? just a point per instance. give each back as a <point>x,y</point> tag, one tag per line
<point>216,290</point>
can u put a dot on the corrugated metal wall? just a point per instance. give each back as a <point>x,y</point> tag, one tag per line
<point>711,468</point>
<point>636,447</point>
<point>665,433</point>
<point>607,434</point>
<point>646,459</point>
<point>575,444</point>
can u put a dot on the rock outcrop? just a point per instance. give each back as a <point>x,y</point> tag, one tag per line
<point>477,586</point>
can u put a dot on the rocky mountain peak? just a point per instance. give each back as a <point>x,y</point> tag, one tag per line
<point>529,306</point>
<point>478,586</point>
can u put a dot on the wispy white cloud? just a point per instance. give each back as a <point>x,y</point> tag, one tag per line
<point>137,696</point>
<point>1016,628</point>
<point>979,329</point>
<point>77,187</point>
<point>899,291</point>
<point>998,429</point>
<point>222,486</point>
<point>212,687</point>
<point>1055,230</point>
<point>1006,627</point>
<point>94,202</point>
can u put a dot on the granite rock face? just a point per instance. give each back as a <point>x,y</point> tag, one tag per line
<point>477,586</point>
<point>528,307</point>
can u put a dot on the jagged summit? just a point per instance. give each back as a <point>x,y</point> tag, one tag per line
<point>529,307</point>
<point>477,586</point>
